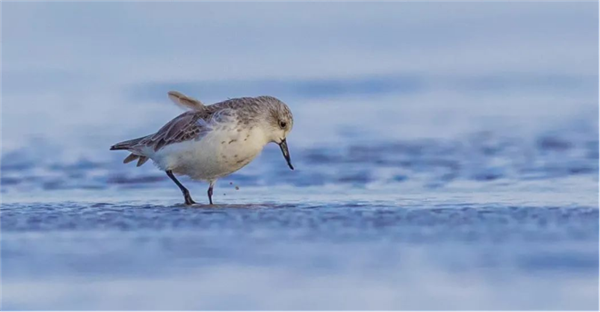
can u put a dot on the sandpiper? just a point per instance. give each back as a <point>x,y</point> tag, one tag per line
<point>208,142</point>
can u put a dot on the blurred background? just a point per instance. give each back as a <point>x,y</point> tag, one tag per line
<point>446,154</point>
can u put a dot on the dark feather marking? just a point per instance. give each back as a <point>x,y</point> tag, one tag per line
<point>142,160</point>
<point>130,158</point>
<point>158,145</point>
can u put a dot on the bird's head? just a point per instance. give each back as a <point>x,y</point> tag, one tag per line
<point>279,123</point>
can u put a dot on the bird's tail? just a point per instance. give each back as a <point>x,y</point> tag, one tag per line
<point>126,145</point>
<point>129,145</point>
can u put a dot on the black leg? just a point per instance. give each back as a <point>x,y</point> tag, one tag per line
<point>186,193</point>
<point>210,192</point>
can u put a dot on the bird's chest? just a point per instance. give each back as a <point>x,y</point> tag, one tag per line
<point>237,147</point>
<point>224,151</point>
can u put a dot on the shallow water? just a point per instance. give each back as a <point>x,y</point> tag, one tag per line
<point>438,165</point>
<point>308,248</point>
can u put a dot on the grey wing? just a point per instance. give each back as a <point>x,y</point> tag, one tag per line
<point>185,127</point>
<point>224,115</point>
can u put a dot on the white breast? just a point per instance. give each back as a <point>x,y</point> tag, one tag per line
<point>220,152</point>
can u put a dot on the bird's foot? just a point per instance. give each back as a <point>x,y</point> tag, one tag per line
<point>189,201</point>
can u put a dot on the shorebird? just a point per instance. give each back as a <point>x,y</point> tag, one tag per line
<point>209,142</point>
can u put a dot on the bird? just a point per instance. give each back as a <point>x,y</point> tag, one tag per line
<point>208,142</point>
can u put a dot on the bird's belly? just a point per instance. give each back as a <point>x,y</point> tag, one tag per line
<point>215,155</point>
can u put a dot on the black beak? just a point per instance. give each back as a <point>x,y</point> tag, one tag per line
<point>286,153</point>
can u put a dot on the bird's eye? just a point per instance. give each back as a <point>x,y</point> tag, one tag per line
<point>282,124</point>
